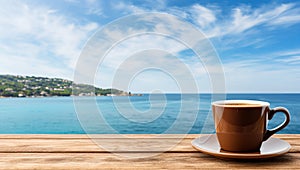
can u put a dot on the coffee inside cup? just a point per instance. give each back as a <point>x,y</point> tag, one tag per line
<point>241,103</point>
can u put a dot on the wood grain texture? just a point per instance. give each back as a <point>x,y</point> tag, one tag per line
<point>80,152</point>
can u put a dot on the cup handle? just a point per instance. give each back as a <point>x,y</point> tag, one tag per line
<point>271,113</point>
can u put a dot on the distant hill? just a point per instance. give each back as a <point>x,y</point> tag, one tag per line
<point>31,86</point>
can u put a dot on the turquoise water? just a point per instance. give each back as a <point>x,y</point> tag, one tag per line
<point>57,115</point>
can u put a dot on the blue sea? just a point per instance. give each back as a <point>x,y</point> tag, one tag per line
<point>169,113</point>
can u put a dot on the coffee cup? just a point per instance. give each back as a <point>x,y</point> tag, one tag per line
<point>241,125</point>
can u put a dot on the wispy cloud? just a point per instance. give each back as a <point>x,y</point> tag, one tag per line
<point>202,15</point>
<point>128,8</point>
<point>274,71</point>
<point>288,52</point>
<point>243,25</point>
<point>239,23</point>
<point>288,57</point>
<point>266,60</point>
<point>291,60</point>
<point>245,18</point>
<point>95,7</point>
<point>38,39</point>
<point>288,17</point>
<point>38,34</point>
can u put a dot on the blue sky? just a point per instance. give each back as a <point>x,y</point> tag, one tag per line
<point>257,41</point>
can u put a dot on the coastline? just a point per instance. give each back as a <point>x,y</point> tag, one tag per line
<point>109,95</point>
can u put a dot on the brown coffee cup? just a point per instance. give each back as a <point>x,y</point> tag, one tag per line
<point>241,125</point>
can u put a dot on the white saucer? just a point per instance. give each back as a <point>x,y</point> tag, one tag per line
<point>272,147</point>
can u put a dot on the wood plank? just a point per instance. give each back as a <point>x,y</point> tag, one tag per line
<point>86,145</point>
<point>80,152</point>
<point>165,160</point>
<point>84,136</point>
<point>82,144</point>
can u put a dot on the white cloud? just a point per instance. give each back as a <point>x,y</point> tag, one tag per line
<point>72,1</point>
<point>288,57</point>
<point>277,71</point>
<point>270,60</point>
<point>288,17</point>
<point>147,5</point>
<point>37,34</point>
<point>153,32</point>
<point>286,20</point>
<point>128,8</point>
<point>95,7</point>
<point>288,52</point>
<point>256,78</point>
<point>123,51</point>
<point>243,22</point>
<point>292,60</point>
<point>245,18</point>
<point>203,16</point>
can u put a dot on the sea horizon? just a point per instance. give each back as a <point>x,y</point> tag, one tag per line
<point>149,114</point>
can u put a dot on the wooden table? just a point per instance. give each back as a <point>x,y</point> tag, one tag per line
<point>80,152</point>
